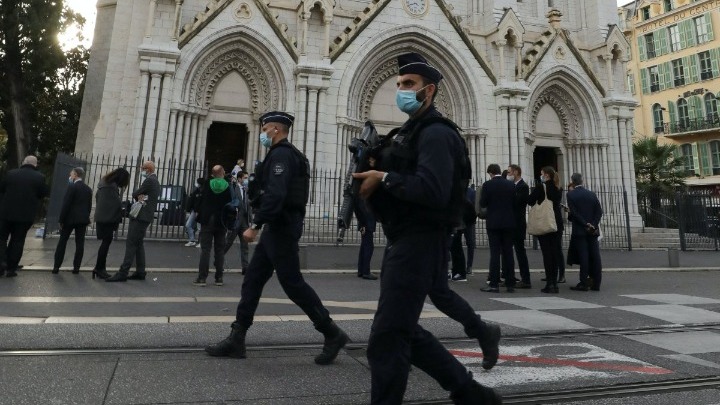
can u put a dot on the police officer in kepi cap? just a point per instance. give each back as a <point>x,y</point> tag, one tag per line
<point>284,180</point>
<point>417,193</point>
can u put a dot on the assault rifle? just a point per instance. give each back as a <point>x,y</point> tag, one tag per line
<point>359,162</point>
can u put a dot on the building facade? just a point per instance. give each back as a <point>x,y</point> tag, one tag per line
<point>532,82</point>
<point>675,74</point>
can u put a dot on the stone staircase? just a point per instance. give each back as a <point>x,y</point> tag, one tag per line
<point>655,238</point>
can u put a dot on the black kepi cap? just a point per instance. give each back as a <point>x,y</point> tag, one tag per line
<point>415,63</point>
<point>277,116</point>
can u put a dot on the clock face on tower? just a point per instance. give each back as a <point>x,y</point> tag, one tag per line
<point>416,8</point>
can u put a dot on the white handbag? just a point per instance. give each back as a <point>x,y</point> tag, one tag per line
<point>135,209</point>
<point>541,219</point>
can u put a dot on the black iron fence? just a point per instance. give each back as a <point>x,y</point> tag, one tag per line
<point>177,179</point>
<point>695,216</point>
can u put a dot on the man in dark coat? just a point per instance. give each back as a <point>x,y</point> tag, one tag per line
<point>586,213</point>
<point>214,197</point>
<point>74,216</point>
<point>22,190</point>
<point>522,191</point>
<point>149,192</point>
<point>498,196</point>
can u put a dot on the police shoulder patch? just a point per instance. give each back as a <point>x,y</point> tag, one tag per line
<point>279,169</point>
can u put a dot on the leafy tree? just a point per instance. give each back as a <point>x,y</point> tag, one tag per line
<point>34,81</point>
<point>658,170</point>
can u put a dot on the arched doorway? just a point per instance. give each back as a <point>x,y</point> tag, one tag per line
<point>226,143</point>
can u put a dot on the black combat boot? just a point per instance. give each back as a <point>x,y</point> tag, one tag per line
<point>335,339</point>
<point>231,346</point>
<point>489,340</point>
<point>473,393</point>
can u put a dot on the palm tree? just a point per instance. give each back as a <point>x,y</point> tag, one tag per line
<point>658,170</point>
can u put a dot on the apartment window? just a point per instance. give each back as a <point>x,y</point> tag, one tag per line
<point>650,45</point>
<point>711,107</point>
<point>658,118</point>
<point>715,156</point>
<point>701,30</point>
<point>678,72</point>
<point>668,5</point>
<point>706,71</point>
<point>683,113</point>
<point>645,11</point>
<point>674,32</point>
<point>654,79</point>
<point>689,162</point>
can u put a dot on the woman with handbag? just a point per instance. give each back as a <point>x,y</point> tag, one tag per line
<point>545,222</point>
<point>108,214</point>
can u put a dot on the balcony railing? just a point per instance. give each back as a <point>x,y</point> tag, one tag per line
<point>712,121</point>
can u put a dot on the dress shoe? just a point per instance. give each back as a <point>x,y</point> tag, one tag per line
<point>523,285</point>
<point>116,277</point>
<point>137,276</point>
<point>55,271</point>
<point>335,340</point>
<point>459,277</point>
<point>369,277</point>
<point>579,287</point>
<point>474,393</point>
<point>561,280</point>
<point>550,289</point>
<point>490,289</point>
<point>490,345</point>
<point>76,271</point>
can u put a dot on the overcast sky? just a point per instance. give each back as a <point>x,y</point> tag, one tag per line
<point>87,9</point>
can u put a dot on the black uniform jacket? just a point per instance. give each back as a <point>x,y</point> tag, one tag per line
<point>76,205</point>
<point>22,190</point>
<point>498,196</point>
<point>522,192</point>
<point>280,167</point>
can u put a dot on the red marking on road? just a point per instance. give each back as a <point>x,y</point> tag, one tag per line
<point>571,363</point>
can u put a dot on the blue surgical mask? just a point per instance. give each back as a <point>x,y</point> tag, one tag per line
<point>265,140</point>
<point>407,101</point>
<point>70,180</point>
<point>543,179</point>
<point>144,173</point>
<point>245,183</point>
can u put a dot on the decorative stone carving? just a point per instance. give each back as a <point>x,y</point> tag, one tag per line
<point>243,12</point>
<point>559,99</point>
<point>560,53</point>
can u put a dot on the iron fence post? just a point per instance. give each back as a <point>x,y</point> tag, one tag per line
<point>627,220</point>
<point>681,221</point>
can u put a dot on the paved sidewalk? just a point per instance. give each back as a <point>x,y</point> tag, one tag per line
<point>173,256</point>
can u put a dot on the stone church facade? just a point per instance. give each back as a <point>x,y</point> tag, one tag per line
<point>532,82</point>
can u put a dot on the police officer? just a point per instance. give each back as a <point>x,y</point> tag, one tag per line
<point>417,192</point>
<point>284,179</point>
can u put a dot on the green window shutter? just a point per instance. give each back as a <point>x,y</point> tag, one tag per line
<point>695,110</point>
<point>672,110</point>
<point>662,39</point>
<point>696,157</point>
<point>641,48</point>
<point>645,81</point>
<point>705,166</point>
<point>683,34</point>
<point>709,26</point>
<point>691,35</point>
<point>715,61</point>
<point>669,75</point>
<point>692,73</point>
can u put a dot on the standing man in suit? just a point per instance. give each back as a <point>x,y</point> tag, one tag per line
<point>586,212</point>
<point>215,196</point>
<point>242,223</point>
<point>21,191</point>
<point>469,230</point>
<point>149,192</point>
<point>522,190</point>
<point>498,196</point>
<point>74,216</point>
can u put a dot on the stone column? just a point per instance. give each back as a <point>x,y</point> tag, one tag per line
<point>303,43</point>
<point>606,166</point>
<point>311,136</point>
<point>163,137</point>
<point>614,161</point>
<point>152,113</point>
<point>164,149</point>
<point>521,139</point>
<point>597,178</point>
<point>299,132</point>
<point>501,50</point>
<point>608,61</point>
<point>181,139</point>
<point>505,152</point>
<point>202,138</point>
<point>176,19</point>
<point>482,158</point>
<point>193,136</point>
<point>513,137</point>
<point>140,104</point>
<point>151,19</point>
<point>626,127</point>
<point>518,58</point>
<point>568,162</point>
<point>326,25</point>
<point>587,164</point>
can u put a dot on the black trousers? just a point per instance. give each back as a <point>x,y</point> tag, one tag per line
<point>587,249</point>
<point>549,244</point>
<point>79,245</point>
<point>457,256</point>
<point>105,232</point>
<point>11,252</point>
<point>501,243</point>
<point>367,247</point>
<point>413,267</point>
<point>278,250</point>
<point>212,235</point>
<point>469,233</point>
<point>134,247</point>
<point>519,236</point>
<point>560,256</point>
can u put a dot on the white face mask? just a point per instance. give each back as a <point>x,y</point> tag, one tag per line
<point>510,177</point>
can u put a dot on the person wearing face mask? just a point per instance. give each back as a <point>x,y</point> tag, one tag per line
<point>149,192</point>
<point>242,223</point>
<point>283,179</point>
<point>522,191</point>
<point>192,208</point>
<point>417,191</point>
<point>74,217</point>
<point>550,242</point>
